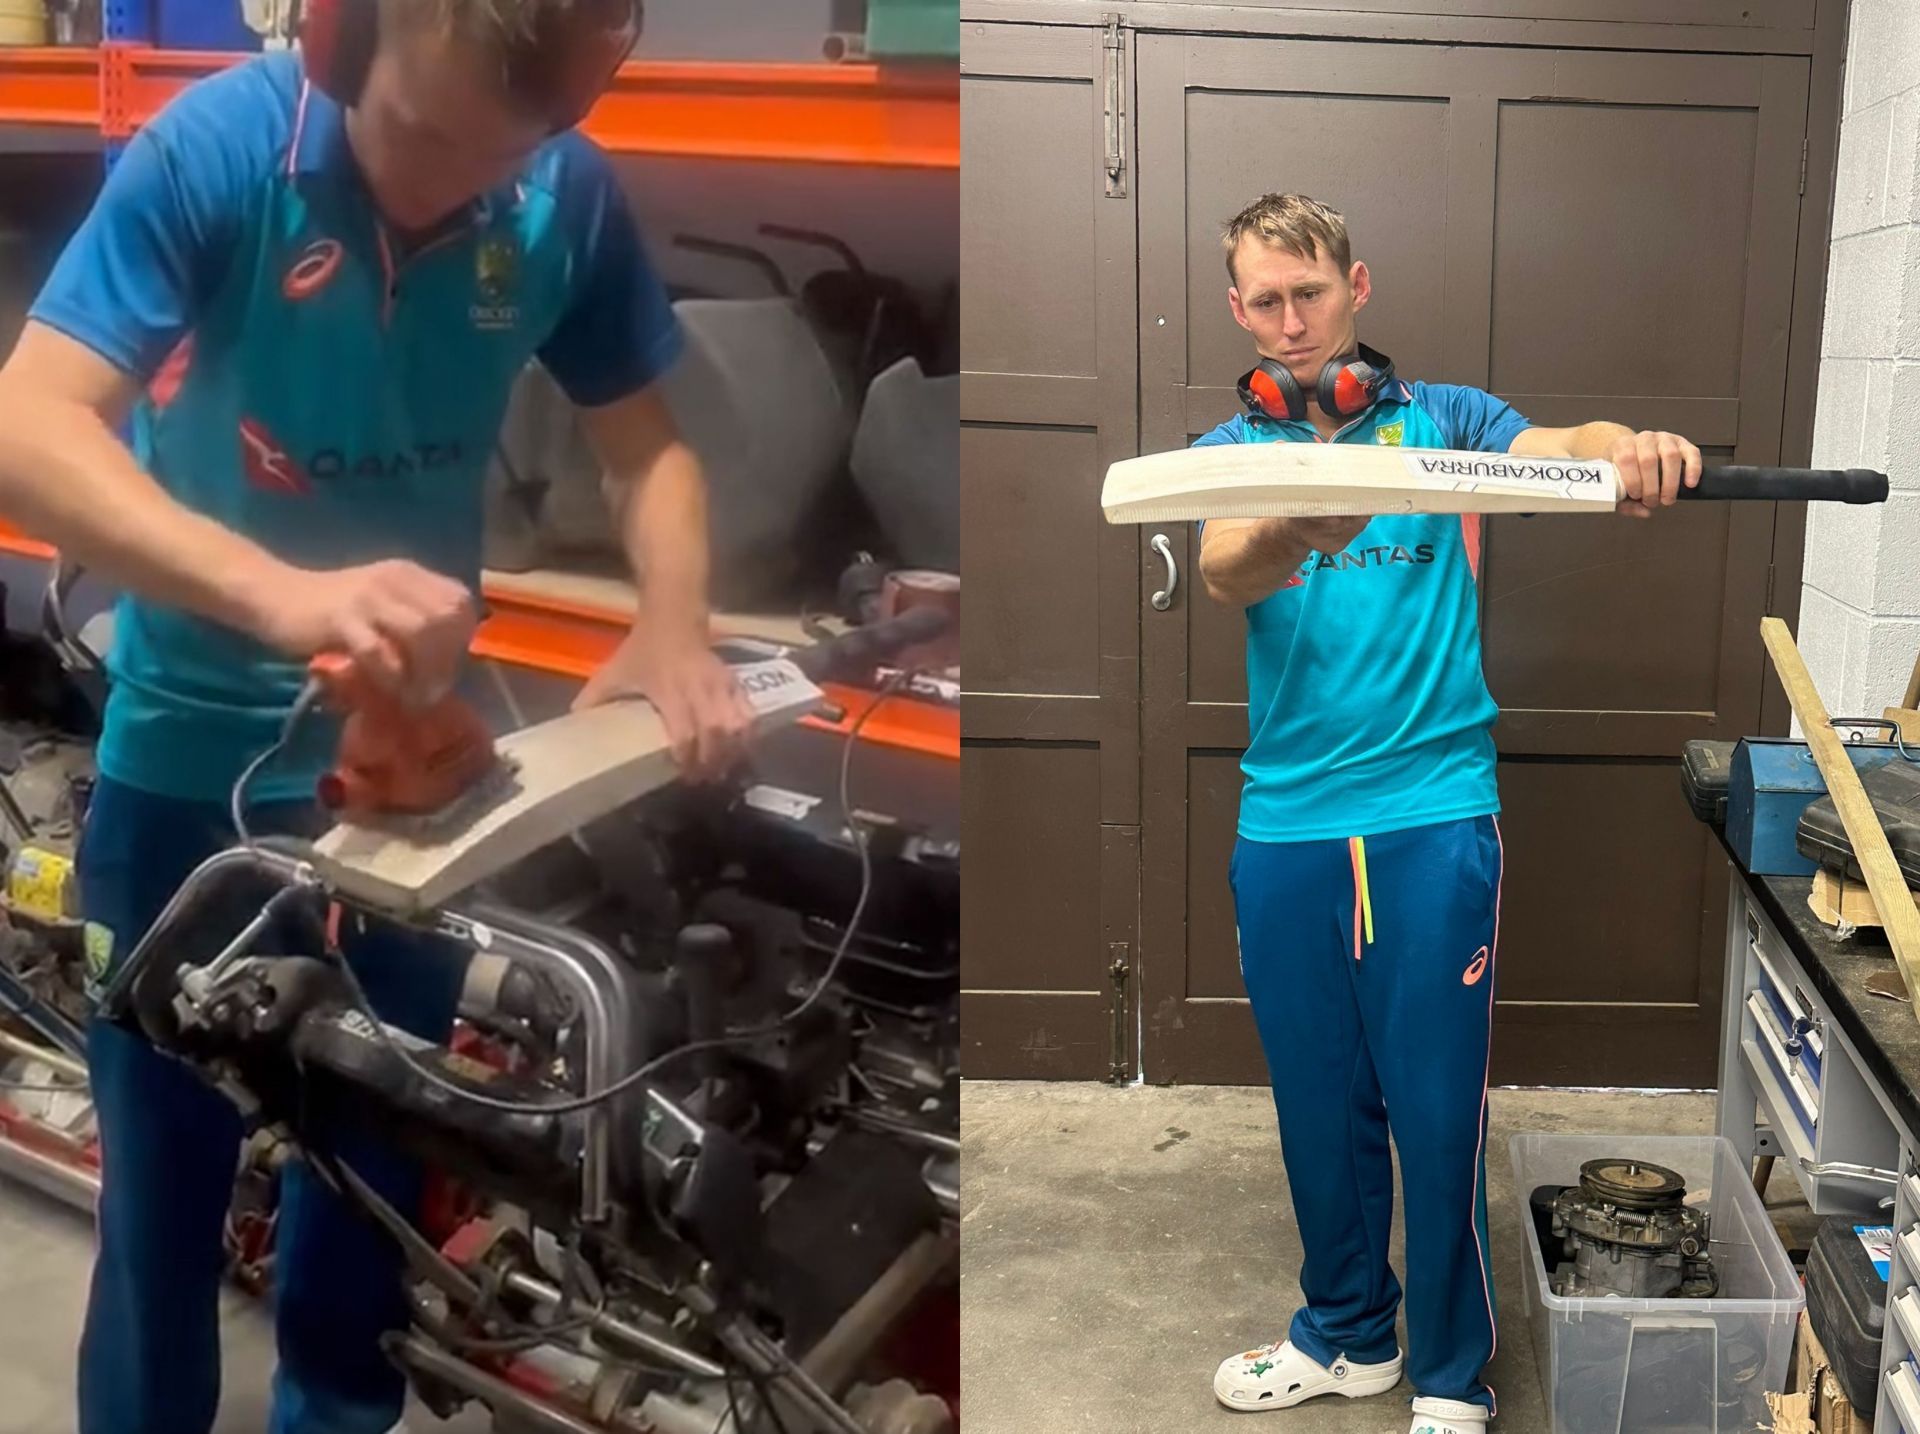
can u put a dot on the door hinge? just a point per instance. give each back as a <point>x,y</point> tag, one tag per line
<point>1113,74</point>
<point>1803,164</point>
<point>1118,1068</point>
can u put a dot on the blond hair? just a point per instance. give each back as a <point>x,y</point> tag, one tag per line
<point>1291,222</point>
<point>497,24</point>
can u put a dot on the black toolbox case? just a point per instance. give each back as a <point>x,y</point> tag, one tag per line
<point>1705,768</point>
<point>1847,1306</point>
<point>1894,790</point>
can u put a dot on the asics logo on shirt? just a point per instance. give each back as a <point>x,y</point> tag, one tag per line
<point>313,270</point>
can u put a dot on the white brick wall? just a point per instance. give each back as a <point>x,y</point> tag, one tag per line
<point>1860,596</point>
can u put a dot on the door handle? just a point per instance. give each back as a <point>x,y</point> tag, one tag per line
<point>1163,599</point>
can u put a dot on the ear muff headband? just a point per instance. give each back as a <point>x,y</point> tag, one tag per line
<point>558,72</point>
<point>1347,386</point>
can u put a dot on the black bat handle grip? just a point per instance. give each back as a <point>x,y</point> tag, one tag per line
<point>1791,485</point>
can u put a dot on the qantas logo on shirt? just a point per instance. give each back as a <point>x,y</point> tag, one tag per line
<point>269,467</point>
<point>1382,555</point>
<point>266,463</point>
<point>401,463</point>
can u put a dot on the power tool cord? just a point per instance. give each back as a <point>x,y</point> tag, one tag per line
<point>237,800</point>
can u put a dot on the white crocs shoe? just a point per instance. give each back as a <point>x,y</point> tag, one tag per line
<point>1280,1376</point>
<point>1447,1416</point>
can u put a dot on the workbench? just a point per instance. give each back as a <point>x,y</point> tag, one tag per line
<point>1822,1076</point>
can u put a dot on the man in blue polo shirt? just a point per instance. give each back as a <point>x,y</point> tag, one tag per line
<point>311,283</point>
<point>1366,876</point>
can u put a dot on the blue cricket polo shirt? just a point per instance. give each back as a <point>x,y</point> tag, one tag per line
<point>1368,708</point>
<point>317,389</point>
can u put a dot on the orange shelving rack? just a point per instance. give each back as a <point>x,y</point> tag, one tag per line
<point>904,118</point>
<point>797,113</point>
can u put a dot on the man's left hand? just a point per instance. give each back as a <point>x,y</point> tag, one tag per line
<point>1653,466</point>
<point>707,716</point>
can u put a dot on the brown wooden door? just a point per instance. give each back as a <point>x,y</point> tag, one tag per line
<point>1590,235</point>
<point>1051,626</point>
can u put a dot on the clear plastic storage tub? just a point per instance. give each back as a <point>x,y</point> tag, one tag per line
<point>1629,1366</point>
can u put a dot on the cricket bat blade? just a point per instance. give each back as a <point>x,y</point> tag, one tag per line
<point>1298,480</point>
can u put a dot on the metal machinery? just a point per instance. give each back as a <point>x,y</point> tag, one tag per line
<point>694,1141</point>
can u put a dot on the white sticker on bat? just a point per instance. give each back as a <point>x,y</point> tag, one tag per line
<point>779,802</point>
<point>1562,475</point>
<point>775,685</point>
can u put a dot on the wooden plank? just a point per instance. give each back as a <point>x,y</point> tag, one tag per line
<point>1870,848</point>
<point>571,771</point>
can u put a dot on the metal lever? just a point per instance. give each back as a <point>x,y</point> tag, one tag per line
<point>1850,1172</point>
<point>1163,599</point>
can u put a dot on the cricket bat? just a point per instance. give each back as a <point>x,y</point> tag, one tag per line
<point>1311,480</point>
<point>567,772</point>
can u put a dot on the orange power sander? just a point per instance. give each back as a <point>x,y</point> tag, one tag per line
<point>398,763</point>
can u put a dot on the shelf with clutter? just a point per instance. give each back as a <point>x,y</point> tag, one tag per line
<point>904,113</point>
<point>820,387</point>
<point>567,624</point>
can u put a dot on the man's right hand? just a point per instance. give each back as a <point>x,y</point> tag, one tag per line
<point>408,628</point>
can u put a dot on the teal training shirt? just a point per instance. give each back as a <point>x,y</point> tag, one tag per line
<point>312,385</point>
<point>1368,708</point>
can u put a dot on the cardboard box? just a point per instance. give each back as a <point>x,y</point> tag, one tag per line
<point>1814,1403</point>
<point>1835,899</point>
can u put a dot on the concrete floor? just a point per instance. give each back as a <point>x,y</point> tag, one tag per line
<point>1117,1244</point>
<point>46,1258</point>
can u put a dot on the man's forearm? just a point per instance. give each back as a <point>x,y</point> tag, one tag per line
<point>67,479</point>
<point>1248,565</point>
<point>665,533</point>
<point>1592,440</point>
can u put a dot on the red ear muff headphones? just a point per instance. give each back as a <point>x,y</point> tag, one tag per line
<point>1348,386</point>
<point>558,72</point>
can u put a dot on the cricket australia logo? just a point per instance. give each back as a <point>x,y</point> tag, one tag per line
<point>496,280</point>
<point>1389,435</point>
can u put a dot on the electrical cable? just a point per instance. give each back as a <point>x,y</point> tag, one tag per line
<point>237,800</point>
<point>767,1402</point>
<point>759,1382</point>
<point>733,1403</point>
